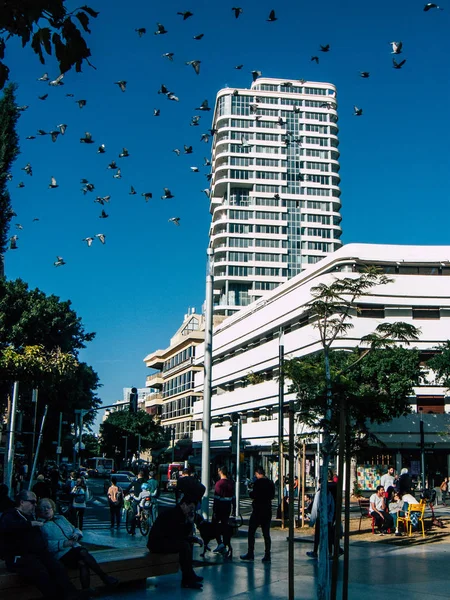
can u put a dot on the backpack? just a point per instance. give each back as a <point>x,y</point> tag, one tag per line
<point>119,496</point>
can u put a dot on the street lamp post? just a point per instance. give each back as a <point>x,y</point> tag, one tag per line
<point>422,449</point>
<point>125,437</point>
<point>207,371</point>
<point>281,423</point>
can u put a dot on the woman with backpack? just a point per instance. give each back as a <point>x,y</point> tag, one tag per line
<point>115,501</point>
<point>79,497</point>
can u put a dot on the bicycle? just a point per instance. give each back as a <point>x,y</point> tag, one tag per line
<point>144,519</point>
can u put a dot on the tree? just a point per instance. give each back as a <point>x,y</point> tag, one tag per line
<point>40,338</point>
<point>440,363</point>
<point>9,150</point>
<point>46,25</point>
<point>124,423</point>
<point>332,307</point>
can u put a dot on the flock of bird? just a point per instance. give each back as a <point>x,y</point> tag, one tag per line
<point>89,187</point>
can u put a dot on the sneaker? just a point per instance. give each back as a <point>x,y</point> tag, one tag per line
<point>266,558</point>
<point>312,554</point>
<point>248,556</point>
<point>220,548</point>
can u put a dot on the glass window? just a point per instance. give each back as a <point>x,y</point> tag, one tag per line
<point>426,312</point>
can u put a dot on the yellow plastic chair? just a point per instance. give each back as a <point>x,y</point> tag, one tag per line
<point>406,520</point>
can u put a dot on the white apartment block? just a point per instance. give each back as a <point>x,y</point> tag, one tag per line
<point>275,196</point>
<point>248,342</point>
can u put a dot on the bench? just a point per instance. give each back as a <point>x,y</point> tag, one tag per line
<point>127,564</point>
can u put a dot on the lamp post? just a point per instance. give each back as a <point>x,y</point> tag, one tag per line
<point>207,371</point>
<point>125,437</point>
<point>280,423</point>
<point>422,449</point>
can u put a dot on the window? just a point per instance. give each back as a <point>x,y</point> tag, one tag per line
<point>265,100</point>
<point>324,219</point>
<point>269,216</point>
<point>368,311</point>
<point>426,312</point>
<point>317,192</point>
<point>266,149</point>
<point>317,141</point>
<point>322,246</point>
<point>266,201</point>
<point>239,242</point>
<point>266,271</point>
<point>243,123</point>
<point>242,215</point>
<point>238,174</point>
<point>240,271</point>
<point>266,257</point>
<point>272,229</point>
<point>267,243</point>
<point>316,91</point>
<point>240,105</point>
<point>240,161</point>
<point>267,162</point>
<point>238,228</point>
<point>268,137</point>
<point>316,128</point>
<point>240,149</point>
<point>267,124</point>
<point>267,175</point>
<point>265,285</point>
<point>316,116</point>
<point>240,256</point>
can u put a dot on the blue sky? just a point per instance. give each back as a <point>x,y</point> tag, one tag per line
<point>134,290</point>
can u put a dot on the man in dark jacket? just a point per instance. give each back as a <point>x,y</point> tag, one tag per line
<point>263,493</point>
<point>24,550</point>
<point>135,488</point>
<point>172,534</point>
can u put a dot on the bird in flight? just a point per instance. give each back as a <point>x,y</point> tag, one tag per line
<point>124,153</point>
<point>87,139</point>
<point>203,106</point>
<point>13,242</point>
<point>357,112</point>
<point>188,149</point>
<point>19,226</point>
<point>55,82</point>
<point>44,77</point>
<point>81,103</point>
<point>141,31</point>
<point>101,237</point>
<point>156,112</point>
<point>396,47</point>
<point>101,149</point>
<point>41,132</point>
<point>195,65</point>
<point>207,162</point>
<point>122,84</point>
<point>272,16</point>
<point>398,65</point>
<point>28,169</point>
<point>53,183</point>
<point>21,184</point>
<point>256,74</point>
<point>325,48</point>
<point>112,165</point>
<point>177,151</point>
<point>431,5</point>
<point>102,199</point>
<point>195,121</point>
<point>167,194</point>
<point>168,55</point>
<point>175,220</point>
<point>185,14</point>
<point>237,11</point>
<point>205,138</point>
<point>44,97</point>
<point>161,29</point>
<point>198,36</point>
<point>30,137</point>
<point>194,169</point>
<point>62,128</point>
<point>147,196</point>
<point>88,240</point>
<point>132,191</point>
<point>118,175</point>
<point>59,262</point>
<point>364,74</point>
<point>238,67</point>
<point>103,215</point>
<point>54,135</point>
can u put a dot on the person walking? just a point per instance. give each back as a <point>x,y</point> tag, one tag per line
<point>262,494</point>
<point>444,490</point>
<point>79,495</point>
<point>134,489</point>
<point>115,501</point>
<point>224,503</point>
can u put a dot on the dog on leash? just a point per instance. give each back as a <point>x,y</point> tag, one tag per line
<point>210,531</point>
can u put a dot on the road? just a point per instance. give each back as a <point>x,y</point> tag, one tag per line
<point>97,512</point>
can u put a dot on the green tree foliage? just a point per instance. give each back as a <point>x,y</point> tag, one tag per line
<point>92,445</point>
<point>40,338</point>
<point>124,423</point>
<point>375,389</point>
<point>30,317</point>
<point>440,363</point>
<point>9,150</point>
<point>46,25</point>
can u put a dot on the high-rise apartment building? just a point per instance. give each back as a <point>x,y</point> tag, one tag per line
<point>275,196</point>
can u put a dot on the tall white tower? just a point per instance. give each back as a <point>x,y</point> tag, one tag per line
<point>275,196</point>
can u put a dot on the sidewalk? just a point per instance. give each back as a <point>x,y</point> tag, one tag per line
<point>376,570</point>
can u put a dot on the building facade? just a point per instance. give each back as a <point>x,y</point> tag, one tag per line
<point>173,380</point>
<point>275,195</point>
<point>246,351</point>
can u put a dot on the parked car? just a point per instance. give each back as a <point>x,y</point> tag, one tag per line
<point>123,481</point>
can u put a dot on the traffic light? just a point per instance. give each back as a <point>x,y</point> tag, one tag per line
<point>233,437</point>
<point>133,400</point>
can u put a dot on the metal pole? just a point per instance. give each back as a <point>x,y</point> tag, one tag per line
<point>80,435</point>
<point>172,431</point>
<point>59,449</point>
<point>126,451</point>
<point>291,503</point>
<point>34,400</point>
<point>280,424</point>
<point>303,482</point>
<point>139,448</point>
<point>422,449</point>
<point>238,463</point>
<point>11,438</point>
<point>207,371</point>
<point>36,455</point>
<point>348,459</point>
